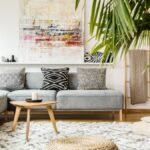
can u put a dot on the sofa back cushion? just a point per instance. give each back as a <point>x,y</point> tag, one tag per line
<point>73,81</point>
<point>34,80</point>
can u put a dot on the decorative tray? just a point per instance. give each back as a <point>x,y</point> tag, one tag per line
<point>34,101</point>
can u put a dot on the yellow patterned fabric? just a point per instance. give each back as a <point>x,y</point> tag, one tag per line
<point>81,143</point>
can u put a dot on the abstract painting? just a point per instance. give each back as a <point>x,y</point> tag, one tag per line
<point>51,31</point>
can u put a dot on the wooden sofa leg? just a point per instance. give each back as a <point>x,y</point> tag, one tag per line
<point>6,115</point>
<point>120,115</point>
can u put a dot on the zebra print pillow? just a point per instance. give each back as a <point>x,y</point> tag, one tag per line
<point>55,79</point>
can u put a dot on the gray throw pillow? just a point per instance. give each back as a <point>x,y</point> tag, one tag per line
<point>91,78</point>
<point>12,79</point>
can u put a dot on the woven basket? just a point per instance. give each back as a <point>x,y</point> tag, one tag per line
<point>81,143</point>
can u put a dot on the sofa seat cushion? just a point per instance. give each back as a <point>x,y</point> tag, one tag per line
<point>3,93</point>
<point>89,100</point>
<point>21,95</point>
<point>24,94</point>
<point>3,100</point>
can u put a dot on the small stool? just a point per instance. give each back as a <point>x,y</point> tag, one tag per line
<point>81,143</point>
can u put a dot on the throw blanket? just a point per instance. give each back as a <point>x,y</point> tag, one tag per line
<point>138,79</point>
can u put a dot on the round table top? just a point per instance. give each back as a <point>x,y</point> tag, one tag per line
<point>34,104</point>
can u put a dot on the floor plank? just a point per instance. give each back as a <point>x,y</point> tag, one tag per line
<point>101,117</point>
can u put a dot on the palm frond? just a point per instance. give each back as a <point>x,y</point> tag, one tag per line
<point>118,25</point>
<point>77,3</point>
<point>141,41</point>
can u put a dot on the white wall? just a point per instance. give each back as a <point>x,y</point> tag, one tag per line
<point>9,40</point>
<point>9,31</point>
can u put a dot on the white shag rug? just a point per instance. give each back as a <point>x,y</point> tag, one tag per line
<point>42,132</point>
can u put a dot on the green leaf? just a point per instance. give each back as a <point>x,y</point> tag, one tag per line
<point>97,47</point>
<point>77,3</point>
<point>118,25</point>
<point>92,17</point>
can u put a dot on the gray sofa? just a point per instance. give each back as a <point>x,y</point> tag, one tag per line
<point>3,102</point>
<point>72,99</point>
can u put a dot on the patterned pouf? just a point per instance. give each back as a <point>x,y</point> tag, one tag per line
<point>81,143</point>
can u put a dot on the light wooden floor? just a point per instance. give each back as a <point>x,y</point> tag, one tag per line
<point>130,117</point>
<point>133,117</point>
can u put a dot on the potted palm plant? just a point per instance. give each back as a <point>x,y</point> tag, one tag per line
<point>119,25</point>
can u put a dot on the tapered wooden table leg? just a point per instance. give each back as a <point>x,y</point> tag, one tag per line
<point>17,113</point>
<point>29,106</point>
<point>120,115</point>
<point>51,115</point>
<point>28,124</point>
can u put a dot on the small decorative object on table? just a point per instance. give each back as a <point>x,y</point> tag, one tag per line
<point>34,101</point>
<point>34,98</point>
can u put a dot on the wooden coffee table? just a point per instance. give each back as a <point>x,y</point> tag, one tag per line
<point>28,105</point>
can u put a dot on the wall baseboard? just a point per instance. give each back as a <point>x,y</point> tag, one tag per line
<point>137,111</point>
